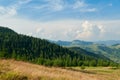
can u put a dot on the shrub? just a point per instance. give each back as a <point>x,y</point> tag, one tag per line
<point>82,67</point>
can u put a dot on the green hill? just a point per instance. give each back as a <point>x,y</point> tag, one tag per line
<point>40,51</point>
<point>109,49</point>
<point>111,52</point>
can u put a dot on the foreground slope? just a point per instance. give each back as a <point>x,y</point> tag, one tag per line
<point>40,51</point>
<point>18,70</point>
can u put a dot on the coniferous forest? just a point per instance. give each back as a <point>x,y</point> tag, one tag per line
<point>40,51</point>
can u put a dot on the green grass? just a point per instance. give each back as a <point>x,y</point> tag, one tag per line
<point>96,70</point>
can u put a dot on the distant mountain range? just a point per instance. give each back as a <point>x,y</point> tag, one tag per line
<point>108,42</point>
<point>69,43</point>
<point>40,51</point>
<point>110,48</point>
<point>79,42</point>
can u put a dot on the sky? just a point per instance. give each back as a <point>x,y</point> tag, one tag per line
<point>89,20</point>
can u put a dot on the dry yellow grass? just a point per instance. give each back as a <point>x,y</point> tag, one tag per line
<point>37,72</point>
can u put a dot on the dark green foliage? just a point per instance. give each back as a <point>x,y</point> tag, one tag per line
<point>82,67</point>
<point>91,59</point>
<point>40,51</point>
<point>87,53</point>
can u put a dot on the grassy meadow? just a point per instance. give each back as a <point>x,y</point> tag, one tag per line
<point>18,70</point>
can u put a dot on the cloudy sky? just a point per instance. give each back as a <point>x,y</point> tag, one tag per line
<point>89,20</point>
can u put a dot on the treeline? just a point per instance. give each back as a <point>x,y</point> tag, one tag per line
<point>40,51</point>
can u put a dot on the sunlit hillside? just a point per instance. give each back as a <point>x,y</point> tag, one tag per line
<point>18,70</point>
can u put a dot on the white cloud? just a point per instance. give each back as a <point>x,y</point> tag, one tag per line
<point>2,9</point>
<point>39,30</point>
<point>23,1</point>
<point>101,27</point>
<point>30,34</point>
<point>88,10</point>
<point>40,7</point>
<point>64,29</point>
<point>7,11</point>
<point>79,4</point>
<point>89,30</point>
<point>11,10</point>
<point>57,5</point>
<point>52,5</point>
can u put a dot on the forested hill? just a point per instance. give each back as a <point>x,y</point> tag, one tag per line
<point>40,51</point>
<point>5,30</point>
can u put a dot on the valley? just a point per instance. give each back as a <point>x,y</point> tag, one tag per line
<point>28,58</point>
<point>109,49</point>
<point>59,39</point>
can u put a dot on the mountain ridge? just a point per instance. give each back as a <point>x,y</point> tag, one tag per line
<point>41,51</point>
<point>109,50</point>
<point>82,42</point>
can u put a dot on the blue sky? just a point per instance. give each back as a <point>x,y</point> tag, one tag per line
<point>63,19</point>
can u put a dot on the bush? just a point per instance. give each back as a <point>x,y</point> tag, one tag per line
<point>82,67</point>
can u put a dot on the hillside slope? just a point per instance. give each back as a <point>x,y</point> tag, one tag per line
<point>109,49</point>
<point>18,70</point>
<point>40,51</point>
<point>111,52</point>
